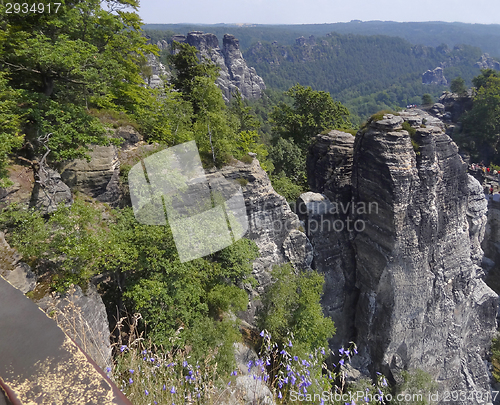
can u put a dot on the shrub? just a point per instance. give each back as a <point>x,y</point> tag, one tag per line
<point>246,159</point>
<point>291,304</point>
<point>284,186</point>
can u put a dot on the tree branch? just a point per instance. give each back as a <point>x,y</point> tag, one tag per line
<point>51,73</point>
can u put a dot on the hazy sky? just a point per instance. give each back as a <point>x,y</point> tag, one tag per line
<point>317,11</point>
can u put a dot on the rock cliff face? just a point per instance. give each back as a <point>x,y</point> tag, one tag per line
<point>271,225</point>
<point>422,302</point>
<point>325,213</point>
<point>234,72</point>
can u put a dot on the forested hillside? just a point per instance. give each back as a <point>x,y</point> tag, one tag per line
<point>367,73</point>
<point>432,33</point>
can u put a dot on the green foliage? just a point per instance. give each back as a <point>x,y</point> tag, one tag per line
<point>242,181</point>
<point>290,160</point>
<point>407,127</point>
<point>427,99</point>
<point>188,301</point>
<point>188,298</point>
<point>481,126</point>
<point>286,187</point>
<point>291,304</point>
<point>415,389</point>
<point>495,358</point>
<point>457,86</point>
<point>164,117</point>
<point>482,79</point>
<point>311,113</point>
<point>380,115</point>
<point>11,136</point>
<point>247,121</point>
<point>82,56</point>
<point>188,72</point>
<point>74,239</point>
<point>389,78</point>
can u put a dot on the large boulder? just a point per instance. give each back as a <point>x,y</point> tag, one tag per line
<point>97,177</point>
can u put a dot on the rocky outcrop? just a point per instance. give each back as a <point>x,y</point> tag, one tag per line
<point>271,225</point>
<point>415,282</point>
<point>98,177</point>
<point>454,105</point>
<point>235,75</point>
<point>491,243</point>
<point>487,62</point>
<point>158,70</point>
<point>435,76</point>
<point>422,301</point>
<point>19,191</point>
<point>83,318</point>
<point>325,213</point>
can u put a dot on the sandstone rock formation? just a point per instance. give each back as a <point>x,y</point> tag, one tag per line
<point>271,225</point>
<point>98,178</point>
<point>158,71</point>
<point>234,72</point>
<point>422,302</point>
<point>435,76</point>
<point>83,318</point>
<point>325,217</point>
<point>455,105</point>
<point>487,62</point>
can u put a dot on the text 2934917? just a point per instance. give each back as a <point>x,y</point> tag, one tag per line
<point>31,8</point>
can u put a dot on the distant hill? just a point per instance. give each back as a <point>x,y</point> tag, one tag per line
<point>484,36</point>
<point>368,72</point>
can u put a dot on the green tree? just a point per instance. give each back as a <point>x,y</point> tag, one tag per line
<point>427,99</point>
<point>482,79</point>
<point>66,62</point>
<point>11,136</point>
<point>289,160</point>
<point>312,112</point>
<point>481,126</point>
<point>291,304</point>
<point>188,70</point>
<point>242,113</point>
<point>457,86</point>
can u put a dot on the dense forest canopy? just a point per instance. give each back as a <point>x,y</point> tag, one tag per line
<point>366,73</point>
<point>431,33</point>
